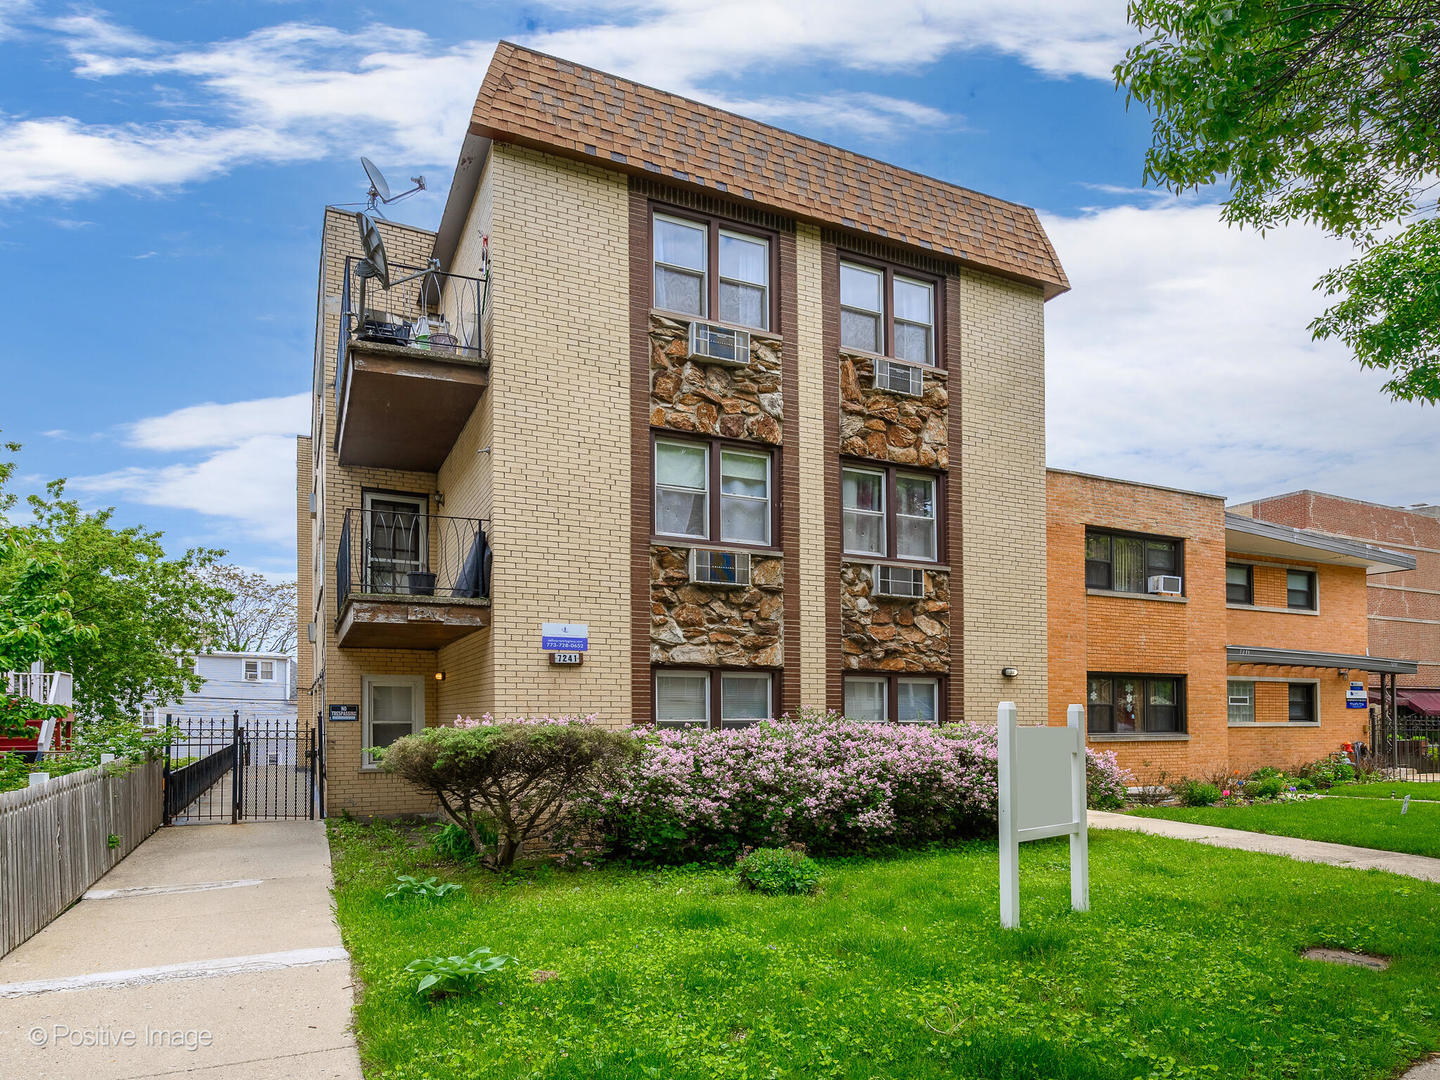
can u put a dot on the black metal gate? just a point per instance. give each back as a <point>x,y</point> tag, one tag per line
<point>225,769</point>
<point>1405,745</point>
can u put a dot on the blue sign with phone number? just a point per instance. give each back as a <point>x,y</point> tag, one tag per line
<point>564,637</point>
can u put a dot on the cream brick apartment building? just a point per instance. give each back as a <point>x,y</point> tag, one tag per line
<point>766,416</point>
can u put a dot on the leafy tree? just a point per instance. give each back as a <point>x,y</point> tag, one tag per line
<point>260,617</point>
<point>1325,113</point>
<point>103,602</point>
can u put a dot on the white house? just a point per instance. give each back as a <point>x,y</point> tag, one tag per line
<point>259,685</point>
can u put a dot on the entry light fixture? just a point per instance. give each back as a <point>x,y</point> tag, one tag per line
<point>439,676</point>
<point>1009,672</point>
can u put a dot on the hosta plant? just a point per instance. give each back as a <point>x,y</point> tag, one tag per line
<point>441,976</point>
<point>407,887</point>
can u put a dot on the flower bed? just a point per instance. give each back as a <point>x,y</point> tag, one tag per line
<point>835,786</point>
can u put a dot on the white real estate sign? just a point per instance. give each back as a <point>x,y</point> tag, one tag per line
<point>1042,794</point>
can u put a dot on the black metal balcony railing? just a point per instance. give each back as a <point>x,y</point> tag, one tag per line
<point>437,312</point>
<point>401,553</point>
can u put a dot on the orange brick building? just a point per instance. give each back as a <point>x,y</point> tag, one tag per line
<point>1203,642</point>
<point>1404,605</point>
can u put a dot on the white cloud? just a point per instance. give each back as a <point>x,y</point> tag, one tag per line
<point>301,91</point>
<point>690,41</point>
<point>12,13</point>
<point>246,476</point>
<point>251,485</point>
<point>1182,357</point>
<point>210,425</point>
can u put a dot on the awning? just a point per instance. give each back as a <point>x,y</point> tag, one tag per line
<point>1256,654</point>
<point>1424,702</point>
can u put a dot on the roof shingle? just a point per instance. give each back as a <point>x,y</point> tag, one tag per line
<point>531,98</point>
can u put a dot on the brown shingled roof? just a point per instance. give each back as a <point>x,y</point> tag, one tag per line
<point>528,97</point>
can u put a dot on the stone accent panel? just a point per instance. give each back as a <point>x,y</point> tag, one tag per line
<point>881,634</point>
<point>714,399</point>
<point>893,427</point>
<point>709,625</point>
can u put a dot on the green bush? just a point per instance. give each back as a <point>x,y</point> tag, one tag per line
<point>1302,784</point>
<point>1329,771</point>
<point>775,871</point>
<point>1267,787</point>
<point>519,777</point>
<point>408,887</point>
<point>1196,793</point>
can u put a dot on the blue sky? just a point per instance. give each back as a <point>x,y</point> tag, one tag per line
<point>163,168</point>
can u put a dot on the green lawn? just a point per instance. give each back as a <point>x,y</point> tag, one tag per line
<point>1397,789</point>
<point>1371,823</point>
<point>1187,967</point>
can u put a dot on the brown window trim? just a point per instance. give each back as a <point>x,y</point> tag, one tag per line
<point>713,224</point>
<point>1178,541</point>
<point>891,470</point>
<point>715,445</point>
<point>892,695</point>
<point>1312,592</point>
<point>887,299</point>
<point>715,672</point>
<point>1182,714</point>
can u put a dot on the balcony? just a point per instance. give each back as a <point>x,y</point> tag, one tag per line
<point>411,366</point>
<point>406,580</point>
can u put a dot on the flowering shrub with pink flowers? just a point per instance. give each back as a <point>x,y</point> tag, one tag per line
<point>835,786</point>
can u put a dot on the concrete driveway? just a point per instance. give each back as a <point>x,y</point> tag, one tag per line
<point>210,950</point>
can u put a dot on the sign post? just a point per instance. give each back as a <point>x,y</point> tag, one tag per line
<point>1042,794</point>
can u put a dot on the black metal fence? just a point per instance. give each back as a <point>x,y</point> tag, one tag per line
<point>228,769</point>
<point>434,311</point>
<point>404,553</point>
<point>1403,744</point>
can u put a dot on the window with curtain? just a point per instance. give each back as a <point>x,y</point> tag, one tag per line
<point>744,698</point>
<point>889,514</point>
<point>917,701</point>
<point>1240,701</point>
<point>1120,562</point>
<point>711,271</point>
<point>682,502</point>
<point>745,497</point>
<point>887,312</point>
<point>1135,704</point>
<point>1300,589</point>
<point>865,698</point>
<point>682,697</point>
<point>1239,584</point>
<point>1302,703</point>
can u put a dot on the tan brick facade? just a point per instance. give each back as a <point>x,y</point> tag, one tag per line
<point>556,461</point>
<point>1094,631</point>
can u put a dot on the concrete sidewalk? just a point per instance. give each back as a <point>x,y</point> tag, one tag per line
<point>1416,866</point>
<point>210,950</point>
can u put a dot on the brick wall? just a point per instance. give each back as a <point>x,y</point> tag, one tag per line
<point>1138,634</point>
<point>1403,605</point>
<point>1001,451</point>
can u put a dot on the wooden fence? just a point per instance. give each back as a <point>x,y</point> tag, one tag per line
<point>55,839</point>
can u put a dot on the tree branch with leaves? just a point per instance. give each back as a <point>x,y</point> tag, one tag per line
<point>1322,113</point>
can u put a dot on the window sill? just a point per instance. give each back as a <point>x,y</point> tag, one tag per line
<point>1274,610</point>
<point>1138,596</point>
<point>660,540</point>
<point>755,332</point>
<point>876,560</point>
<point>1138,736</point>
<point>1280,724</point>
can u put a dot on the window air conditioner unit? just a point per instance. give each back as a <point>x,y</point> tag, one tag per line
<point>899,378</point>
<point>907,582</point>
<point>719,344</point>
<point>1164,585</point>
<point>313,504</point>
<point>711,566</point>
<point>272,757</point>
<point>310,632</point>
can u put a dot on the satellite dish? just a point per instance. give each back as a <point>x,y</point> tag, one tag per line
<point>375,264</point>
<point>380,190</point>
